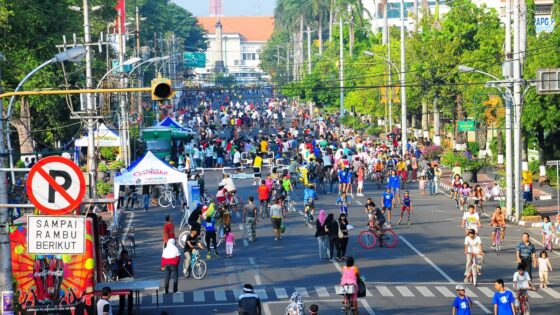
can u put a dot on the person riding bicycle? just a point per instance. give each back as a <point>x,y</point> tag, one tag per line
<point>402,171</point>
<point>465,191</point>
<point>228,185</point>
<point>457,183</point>
<point>191,243</point>
<point>221,195</point>
<point>287,184</point>
<point>473,247</point>
<point>350,275</point>
<point>547,229</point>
<point>264,193</point>
<point>521,283</point>
<point>278,192</point>
<point>498,220</point>
<point>194,217</point>
<point>471,220</point>
<point>377,218</point>
<point>309,197</point>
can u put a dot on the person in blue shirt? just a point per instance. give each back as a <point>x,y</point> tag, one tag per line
<point>504,302</point>
<point>462,304</point>
<point>342,180</point>
<point>210,227</point>
<point>387,202</point>
<point>394,181</point>
<point>344,201</point>
<point>309,193</point>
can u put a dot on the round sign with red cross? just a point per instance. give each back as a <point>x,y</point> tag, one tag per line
<point>56,185</point>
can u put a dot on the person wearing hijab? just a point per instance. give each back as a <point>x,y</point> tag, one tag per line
<point>170,264</point>
<point>296,306</point>
<point>321,234</point>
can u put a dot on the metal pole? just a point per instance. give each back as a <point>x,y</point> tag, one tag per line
<point>404,139</point>
<point>390,89</point>
<point>341,67</point>
<point>89,103</point>
<point>140,79</point>
<point>516,106</point>
<point>308,50</point>
<point>508,114</point>
<point>122,98</point>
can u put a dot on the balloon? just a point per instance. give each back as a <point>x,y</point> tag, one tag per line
<point>89,263</point>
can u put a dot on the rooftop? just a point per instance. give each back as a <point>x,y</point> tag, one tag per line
<point>251,28</point>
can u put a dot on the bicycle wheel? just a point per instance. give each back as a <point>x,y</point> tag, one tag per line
<point>390,238</point>
<point>199,269</point>
<point>526,308</point>
<point>291,207</point>
<point>183,238</point>
<point>164,201</point>
<point>131,248</point>
<point>173,202</point>
<point>367,239</point>
<point>474,274</point>
<point>498,243</point>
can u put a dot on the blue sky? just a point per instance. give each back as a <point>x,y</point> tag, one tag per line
<point>231,7</point>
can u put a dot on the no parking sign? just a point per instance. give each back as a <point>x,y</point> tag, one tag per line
<point>56,185</point>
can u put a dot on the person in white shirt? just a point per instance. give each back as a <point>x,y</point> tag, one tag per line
<point>228,184</point>
<point>471,220</point>
<point>522,282</point>
<point>237,158</point>
<point>473,247</point>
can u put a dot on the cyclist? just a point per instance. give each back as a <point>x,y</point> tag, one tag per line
<point>498,221</point>
<point>350,276</point>
<point>368,209</point>
<point>406,205</point>
<point>344,202</point>
<point>547,229</point>
<point>402,170</point>
<point>471,220</point>
<point>309,197</point>
<point>521,283</point>
<point>192,242</point>
<point>194,217</point>
<point>229,186</point>
<point>457,183</point>
<point>287,184</point>
<point>473,247</point>
<point>478,197</point>
<point>465,192</point>
<point>387,202</point>
<point>221,195</point>
<point>278,192</point>
<point>377,217</point>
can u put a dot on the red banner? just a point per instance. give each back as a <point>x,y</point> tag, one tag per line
<point>120,7</point>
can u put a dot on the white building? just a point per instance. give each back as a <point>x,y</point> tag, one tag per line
<point>242,39</point>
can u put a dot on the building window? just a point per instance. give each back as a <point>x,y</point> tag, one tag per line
<point>249,56</point>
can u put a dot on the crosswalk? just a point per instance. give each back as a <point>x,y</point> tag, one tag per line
<point>384,290</point>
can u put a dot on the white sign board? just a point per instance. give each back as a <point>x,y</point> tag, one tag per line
<point>56,235</point>
<point>544,23</point>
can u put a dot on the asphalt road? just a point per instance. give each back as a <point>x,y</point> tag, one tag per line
<point>416,277</point>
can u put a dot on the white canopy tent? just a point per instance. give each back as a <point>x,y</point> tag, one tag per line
<point>103,137</point>
<point>150,170</point>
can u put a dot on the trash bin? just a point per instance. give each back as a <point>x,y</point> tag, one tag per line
<point>528,192</point>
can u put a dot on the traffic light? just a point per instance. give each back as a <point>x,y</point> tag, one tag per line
<point>161,89</point>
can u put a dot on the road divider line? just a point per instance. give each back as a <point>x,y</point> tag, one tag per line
<point>484,308</point>
<point>535,295</point>
<point>240,226</point>
<point>257,278</point>
<point>251,260</point>
<point>552,293</point>
<point>220,295</point>
<point>198,296</point>
<point>424,291</point>
<point>262,294</point>
<point>302,291</point>
<point>245,242</point>
<point>470,292</point>
<point>489,293</point>
<point>128,225</point>
<point>322,291</point>
<point>428,260</point>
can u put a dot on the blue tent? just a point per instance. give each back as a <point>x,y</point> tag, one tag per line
<point>171,123</point>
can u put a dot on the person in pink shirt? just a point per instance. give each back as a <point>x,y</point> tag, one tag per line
<point>350,276</point>
<point>230,239</point>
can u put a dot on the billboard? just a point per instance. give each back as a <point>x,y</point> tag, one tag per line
<point>544,23</point>
<point>60,283</point>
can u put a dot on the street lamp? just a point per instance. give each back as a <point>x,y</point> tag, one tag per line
<point>509,152</point>
<point>369,53</point>
<point>130,61</point>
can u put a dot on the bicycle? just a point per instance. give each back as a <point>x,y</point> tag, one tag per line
<point>264,209</point>
<point>498,240</point>
<point>235,201</point>
<point>308,214</point>
<point>131,242</point>
<point>369,238</point>
<point>523,307</point>
<point>472,275</point>
<point>167,198</point>
<point>548,242</point>
<point>289,204</point>
<point>347,291</point>
<point>196,266</point>
<point>108,269</point>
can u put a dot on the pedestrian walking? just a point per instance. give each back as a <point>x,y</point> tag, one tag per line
<point>168,230</point>
<point>430,174</point>
<point>437,177</point>
<point>296,306</point>
<point>503,300</point>
<point>332,233</point>
<point>230,240</point>
<point>248,302</point>
<point>170,259</point>
<point>250,219</point>
<point>103,305</point>
<point>276,215</point>
<point>462,304</point>
<point>321,234</point>
<point>146,197</point>
<point>526,254</point>
<point>342,237</point>
<point>544,268</point>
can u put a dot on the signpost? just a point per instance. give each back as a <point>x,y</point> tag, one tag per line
<point>194,59</point>
<point>56,185</point>
<point>466,125</point>
<point>56,235</point>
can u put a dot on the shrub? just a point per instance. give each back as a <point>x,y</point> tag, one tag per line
<point>107,153</point>
<point>529,210</point>
<point>474,147</point>
<point>20,164</point>
<point>432,152</point>
<point>450,158</point>
<point>116,165</point>
<point>102,167</point>
<point>534,166</point>
<point>103,188</point>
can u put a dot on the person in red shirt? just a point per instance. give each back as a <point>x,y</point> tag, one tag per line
<point>168,230</point>
<point>264,193</point>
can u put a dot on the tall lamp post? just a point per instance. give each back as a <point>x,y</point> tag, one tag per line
<point>390,63</point>
<point>404,136</point>
<point>506,86</point>
<point>6,279</point>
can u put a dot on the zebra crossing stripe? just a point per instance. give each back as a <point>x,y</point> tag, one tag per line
<point>552,293</point>
<point>237,293</point>
<point>383,290</point>
<point>198,296</point>
<point>445,291</point>
<point>489,293</point>
<point>322,291</point>
<point>534,294</point>
<point>280,293</point>
<point>220,295</point>
<point>470,293</point>
<point>404,291</point>
<point>178,298</point>
<point>425,292</point>
<point>155,297</point>
<point>302,291</point>
<point>262,294</point>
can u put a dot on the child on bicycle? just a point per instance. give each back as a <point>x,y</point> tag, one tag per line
<point>191,243</point>
<point>465,193</point>
<point>406,205</point>
<point>547,230</point>
<point>457,183</point>
<point>544,268</point>
<point>377,218</point>
<point>521,283</point>
<point>498,221</point>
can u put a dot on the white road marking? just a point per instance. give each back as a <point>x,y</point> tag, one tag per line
<point>322,291</point>
<point>552,293</point>
<point>251,260</point>
<point>534,295</point>
<point>470,292</point>
<point>383,290</point>
<point>178,298</point>
<point>240,226</point>
<point>198,296</point>
<point>368,308</point>
<point>404,291</point>
<point>245,242</point>
<point>281,293</point>
<point>128,225</point>
<point>155,297</point>
<point>262,294</point>
<point>302,291</point>
<point>484,308</point>
<point>489,293</point>
<point>414,249</point>
<point>220,295</point>
<point>257,278</point>
<point>424,291</point>
<point>445,291</point>
<point>359,202</point>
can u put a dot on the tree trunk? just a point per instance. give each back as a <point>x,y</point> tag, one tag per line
<point>320,33</point>
<point>500,142</point>
<point>23,127</point>
<point>482,135</point>
<point>425,128</point>
<point>301,58</point>
<point>351,35</point>
<point>331,20</point>
<point>541,142</point>
<point>460,136</point>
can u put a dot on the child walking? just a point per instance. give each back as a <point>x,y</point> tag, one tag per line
<point>422,185</point>
<point>544,268</point>
<point>230,239</point>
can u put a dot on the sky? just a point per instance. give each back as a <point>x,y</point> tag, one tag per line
<point>231,7</point>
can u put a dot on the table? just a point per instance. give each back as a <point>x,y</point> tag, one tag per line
<point>134,285</point>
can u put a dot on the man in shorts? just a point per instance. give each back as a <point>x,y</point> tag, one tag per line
<point>276,215</point>
<point>387,203</point>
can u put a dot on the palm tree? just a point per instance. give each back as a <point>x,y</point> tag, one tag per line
<point>319,9</point>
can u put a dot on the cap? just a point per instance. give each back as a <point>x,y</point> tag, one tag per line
<point>247,288</point>
<point>459,287</point>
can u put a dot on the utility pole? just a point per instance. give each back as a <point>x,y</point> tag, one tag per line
<point>288,61</point>
<point>508,114</point>
<point>517,105</point>
<point>404,137</point>
<point>122,98</point>
<point>89,102</point>
<point>390,88</point>
<point>341,66</point>
<point>308,31</point>
<point>140,83</point>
